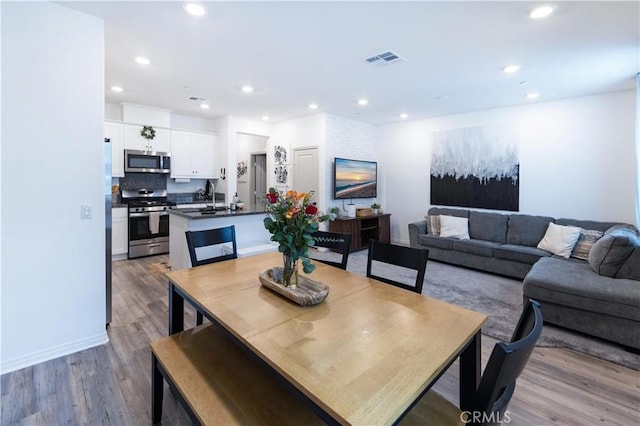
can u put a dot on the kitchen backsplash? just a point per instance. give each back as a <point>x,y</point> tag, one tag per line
<point>143,181</point>
<point>177,192</point>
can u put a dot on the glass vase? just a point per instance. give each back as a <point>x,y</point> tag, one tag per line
<point>290,272</point>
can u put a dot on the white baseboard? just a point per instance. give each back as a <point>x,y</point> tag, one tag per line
<point>400,242</point>
<point>37,357</point>
<point>257,249</point>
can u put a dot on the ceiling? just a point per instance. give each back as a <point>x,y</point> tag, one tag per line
<point>296,53</point>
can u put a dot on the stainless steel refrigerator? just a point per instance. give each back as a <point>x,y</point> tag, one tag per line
<point>107,222</point>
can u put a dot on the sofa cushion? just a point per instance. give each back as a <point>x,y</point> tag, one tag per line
<point>448,212</point>
<point>555,280</point>
<point>631,268</point>
<point>586,224</point>
<point>479,247</point>
<point>524,254</point>
<point>587,239</point>
<point>454,227</point>
<point>488,226</point>
<point>525,230</point>
<point>434,241</point>
<point>610,252</point>
<point>559,239</point>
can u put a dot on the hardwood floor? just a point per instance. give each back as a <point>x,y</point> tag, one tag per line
<point>111,384</point>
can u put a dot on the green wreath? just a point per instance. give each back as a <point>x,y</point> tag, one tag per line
<point>148,132</point>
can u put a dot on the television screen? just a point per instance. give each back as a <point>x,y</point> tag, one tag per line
<point>355,179</point>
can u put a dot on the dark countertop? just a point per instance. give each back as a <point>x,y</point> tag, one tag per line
<point>117,205</point>
<point>191,213</point>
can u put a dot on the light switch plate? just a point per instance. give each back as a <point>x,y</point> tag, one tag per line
<point>86,212</point>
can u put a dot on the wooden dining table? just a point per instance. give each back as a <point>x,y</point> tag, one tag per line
<point>365,355</point>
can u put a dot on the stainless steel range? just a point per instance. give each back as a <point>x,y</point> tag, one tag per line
<point>148,221</point>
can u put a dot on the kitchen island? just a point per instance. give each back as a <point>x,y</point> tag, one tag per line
<point>251,236</point>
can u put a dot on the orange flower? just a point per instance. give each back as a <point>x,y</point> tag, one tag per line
<point>292,212</point>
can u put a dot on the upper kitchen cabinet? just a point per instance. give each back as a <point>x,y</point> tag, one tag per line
<point>193,155</point>
<point>115,132</point>
<point>134,140</point>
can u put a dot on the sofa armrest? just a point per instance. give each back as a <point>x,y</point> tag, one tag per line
<point>415,230</point>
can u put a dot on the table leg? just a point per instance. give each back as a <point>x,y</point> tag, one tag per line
<point>470,368</point>
<point>176,310</point>
<point>157,388</point>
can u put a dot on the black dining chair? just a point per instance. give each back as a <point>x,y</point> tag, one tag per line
<point>407,257</point>
<point>497,384</point>
<point>336,242</point>
<point>209,238</point>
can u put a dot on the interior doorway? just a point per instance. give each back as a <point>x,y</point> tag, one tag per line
<point>258,186</point>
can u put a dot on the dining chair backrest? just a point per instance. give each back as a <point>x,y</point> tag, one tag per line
<point>339,243</point>
<point>406,257</point>
<point>211,237</point>
<point>506,363</point>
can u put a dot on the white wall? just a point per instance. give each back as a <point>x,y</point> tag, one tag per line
<point>53,263</point>
<point>576,159</point>
<point>334,136</point>
<point>303,132</point>
<point>229,128</point>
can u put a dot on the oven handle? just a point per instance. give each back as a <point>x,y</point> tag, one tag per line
<point>146,214</point>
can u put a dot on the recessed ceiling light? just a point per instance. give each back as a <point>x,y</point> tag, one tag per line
<point>142,61</point>
<point>194,9</point>
<point>511,68</point>
<point>541,12</point>
<point>313,106</point>
<point>247,89</point>
<point>404,115</point>
<point>265,118</point>
<point>204,106</point>
<point>116,89</point>
<point>532,95</point>
<point>363,102</point>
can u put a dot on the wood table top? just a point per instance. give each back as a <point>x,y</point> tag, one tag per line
<point>363,355</point>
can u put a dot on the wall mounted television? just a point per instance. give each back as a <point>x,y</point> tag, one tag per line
<point>354,179</point>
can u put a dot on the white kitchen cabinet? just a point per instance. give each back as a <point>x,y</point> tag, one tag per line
<point>134,140</point>
<point>119,232</point>
<point>193,155</point>
<point>115,132</point>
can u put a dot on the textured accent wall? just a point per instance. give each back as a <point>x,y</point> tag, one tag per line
<point>346,138</point>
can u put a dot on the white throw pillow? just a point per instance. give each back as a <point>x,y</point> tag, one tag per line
<point>559,239</point>
<point>454,227</point>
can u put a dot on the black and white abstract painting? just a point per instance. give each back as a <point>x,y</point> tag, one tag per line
<point>476,167</point>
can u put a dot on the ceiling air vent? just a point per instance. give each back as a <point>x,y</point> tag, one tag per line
<point>385,59</point>
<point>197,98</point>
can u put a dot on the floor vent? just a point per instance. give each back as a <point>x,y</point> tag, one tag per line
<point>385,59</point>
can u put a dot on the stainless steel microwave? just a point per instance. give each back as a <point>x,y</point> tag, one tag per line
<point>147,161</point>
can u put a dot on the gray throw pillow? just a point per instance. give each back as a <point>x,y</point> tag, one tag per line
<point>433,224</point>
<point>588,238</point>
<point>610,252</point>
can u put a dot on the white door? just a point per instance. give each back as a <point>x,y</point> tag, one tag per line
<point>306,175</point>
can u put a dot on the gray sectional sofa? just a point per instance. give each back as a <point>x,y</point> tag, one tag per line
<point>599,296</point>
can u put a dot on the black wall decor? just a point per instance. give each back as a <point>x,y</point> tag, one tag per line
<point>476,167</point>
